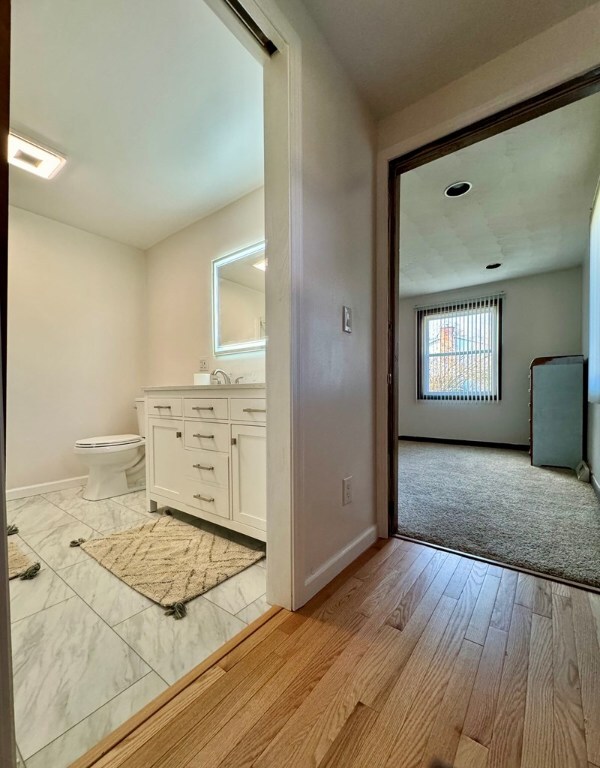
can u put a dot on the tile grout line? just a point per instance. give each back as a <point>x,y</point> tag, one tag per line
<point>70,728</point>
<point>76,594</point>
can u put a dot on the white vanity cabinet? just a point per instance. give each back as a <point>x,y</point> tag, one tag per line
<point>206,453</point>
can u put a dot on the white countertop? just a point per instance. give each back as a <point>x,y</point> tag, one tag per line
<point>200,387</point>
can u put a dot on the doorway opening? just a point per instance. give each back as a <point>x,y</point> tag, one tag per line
<point>492,440</point>
<point>142,271</point>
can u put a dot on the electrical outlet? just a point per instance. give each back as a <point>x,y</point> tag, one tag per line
<point>347,490</point>
<point>203,364</point>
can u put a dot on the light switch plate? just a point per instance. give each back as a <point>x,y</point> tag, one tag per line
<point>347,320</point>
<point>347,490</point>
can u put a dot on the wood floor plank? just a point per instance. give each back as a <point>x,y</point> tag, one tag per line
<point>413,734</point>
<point>470,754</point>
<point>558,588</point>
<point>445,735</point>
<point>495,570</point>
<point>458,581</point>
<point>503,607</point>
<point>463,676</point>
<point>273,735</point>
<point>538,728</point>
<point>407,572</point>
<point>400,617</point>
<point>313,728</point>
<point>480,620</point>
<point>570,749</point>
<point>588,662</point>
<point>360,722</point>
<point>127,751</point>
<point>481,713</point>
<point>378,744</point>
<point>282,692</point>
<point>507,737</point>
<point>534,593</point>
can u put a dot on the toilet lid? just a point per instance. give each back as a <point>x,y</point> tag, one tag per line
<point>105,441</point>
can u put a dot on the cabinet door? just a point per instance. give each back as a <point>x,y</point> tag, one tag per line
<point>166,459</point>
<point>249,475</point>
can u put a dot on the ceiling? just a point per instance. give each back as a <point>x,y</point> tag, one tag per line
<point>244,273</point>
<point>398,51</point>
<point>157,106</point>
<point>529,208</point>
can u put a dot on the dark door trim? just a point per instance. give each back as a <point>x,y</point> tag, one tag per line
<point>536,106</point>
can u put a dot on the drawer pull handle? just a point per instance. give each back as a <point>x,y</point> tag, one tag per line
<point>203,466</point>
<point>200,497</point>
<point>203,408</point>
<point>255,410</point>
<point>163,406</point>
<point>205,437</point>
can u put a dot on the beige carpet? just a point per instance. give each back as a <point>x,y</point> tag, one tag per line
<point>492,503</point>
<point>18,563</point>
<point>170,561</point>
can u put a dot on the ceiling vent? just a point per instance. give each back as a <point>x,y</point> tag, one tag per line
<point>29,156</point>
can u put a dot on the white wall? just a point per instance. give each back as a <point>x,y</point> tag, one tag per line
<point>535,66</point>
<point>593,446</point>
<point>334,387</point>
<point>541,316</point>
<point>178,294</point>
<point>241,310</point>
<point>75,344</point>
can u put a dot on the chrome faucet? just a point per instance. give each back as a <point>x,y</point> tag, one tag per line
<point>215,375</point>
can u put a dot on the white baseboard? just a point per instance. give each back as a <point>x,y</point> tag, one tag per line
<point>330,569</point>
<point>595,485</point>
<point>35,490</point>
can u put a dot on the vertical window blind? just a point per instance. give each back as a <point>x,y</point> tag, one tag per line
<point>459,350</point>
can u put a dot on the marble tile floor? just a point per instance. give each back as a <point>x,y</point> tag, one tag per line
<point>89,651</point>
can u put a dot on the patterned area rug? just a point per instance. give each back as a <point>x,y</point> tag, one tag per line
<point>170,561</point>
<point>18,563</point>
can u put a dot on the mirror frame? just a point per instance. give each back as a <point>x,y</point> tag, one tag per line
<point>244,346</point>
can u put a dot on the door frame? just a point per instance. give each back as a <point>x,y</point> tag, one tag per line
<point>283,230</point>
<point>521,112</point>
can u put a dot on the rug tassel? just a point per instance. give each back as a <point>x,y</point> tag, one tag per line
<point>177,610</point>
<point>77,542</point>
<point>31,572</point>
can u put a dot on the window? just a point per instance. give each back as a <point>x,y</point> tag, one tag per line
<point>459,349</point>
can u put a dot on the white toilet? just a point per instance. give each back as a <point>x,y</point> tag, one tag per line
<point>116,463</point>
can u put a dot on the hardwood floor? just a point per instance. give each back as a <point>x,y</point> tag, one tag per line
<point>413,657</point>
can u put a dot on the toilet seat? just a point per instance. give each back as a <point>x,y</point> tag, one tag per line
<point>108,441</point>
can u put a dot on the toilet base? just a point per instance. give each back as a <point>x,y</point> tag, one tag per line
<point>102,485</point>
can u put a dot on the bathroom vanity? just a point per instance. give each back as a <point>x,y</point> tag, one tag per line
<point>206,453</point>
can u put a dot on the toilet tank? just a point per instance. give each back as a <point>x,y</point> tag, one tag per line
<point>140,407</point>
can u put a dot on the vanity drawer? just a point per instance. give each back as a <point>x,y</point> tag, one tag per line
<point>207,435</point>
<point>206,408</point>
<point>208,498</point>
<point>253,410</point>
<point>207,467</point>
<point>165,407</point>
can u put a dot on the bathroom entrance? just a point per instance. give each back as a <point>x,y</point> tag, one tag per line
<point>142,269</point>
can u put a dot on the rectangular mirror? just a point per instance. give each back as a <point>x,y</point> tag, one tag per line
<point>238,283</point>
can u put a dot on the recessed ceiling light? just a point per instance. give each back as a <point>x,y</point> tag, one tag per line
<point>31,157</point>
<point>495,265</point>
<point>458,189</point>
<point>262,265</point>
